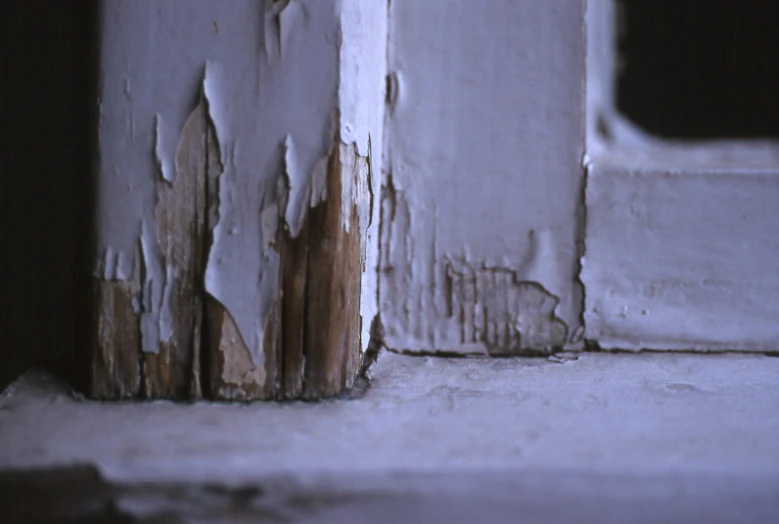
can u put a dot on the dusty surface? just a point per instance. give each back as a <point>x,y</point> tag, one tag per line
<point>610,434</point>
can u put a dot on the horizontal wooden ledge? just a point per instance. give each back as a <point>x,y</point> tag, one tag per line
<point>682,259</point>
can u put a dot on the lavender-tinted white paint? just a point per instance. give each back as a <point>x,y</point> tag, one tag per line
<point>681,239</point>
<point>270,73</point>
<point>682,254</point>
<point>484,149</point>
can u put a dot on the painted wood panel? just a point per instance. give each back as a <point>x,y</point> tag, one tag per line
<point>683,255</point>
<point>482,206</point>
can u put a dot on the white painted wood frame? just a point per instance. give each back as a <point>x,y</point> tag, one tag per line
<point>682,239</point>
<point>482,211</point>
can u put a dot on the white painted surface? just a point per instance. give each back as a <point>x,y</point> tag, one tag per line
<point>484,148</point>
<point>644,415</point>
<point>272,73</point>
<point>682,238</point>
<point>361,99</point>
<point>682,258</point>
<point>628,413</point>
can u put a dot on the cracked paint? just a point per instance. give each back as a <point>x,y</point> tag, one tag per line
<point>303,190</point>
<point>249,256</point>
<point>481,198</point>
<point>508,315</point>
<point>473,305</point>
<point>269,148</point>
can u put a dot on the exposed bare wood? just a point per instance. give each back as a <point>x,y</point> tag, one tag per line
<point>332,324</point>
<point>233,375</point>
<point>294,256</point>
<point>312,335</point>
<point>240,293</point>
<point>180,216</point>
<point>116,348</point>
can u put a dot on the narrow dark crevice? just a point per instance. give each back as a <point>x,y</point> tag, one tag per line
<point>200,281</point>
<point>49,79</point>
<point>592,346</point>
<point>142,391</point>
<point>306,335</point>
<point>437,353</point>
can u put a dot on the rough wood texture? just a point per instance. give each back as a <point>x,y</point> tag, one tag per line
<point>181,222</point>
<point>233,375</point>
<point>116,349</point>
<point>332,336</point>
<point>312,335</point>
<point>120,368</point>
<point>474,178</point>
<point>233,301</point>
<point>295,257</point>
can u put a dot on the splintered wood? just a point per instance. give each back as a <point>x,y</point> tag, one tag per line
<point>311,339</point>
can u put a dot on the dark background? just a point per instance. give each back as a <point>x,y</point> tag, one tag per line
<point>46,74</point>
<point>701,69</point>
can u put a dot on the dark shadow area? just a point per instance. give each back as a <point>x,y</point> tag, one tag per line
<point>47,70</point>
<point>80,493</point>
<point>700,69</point>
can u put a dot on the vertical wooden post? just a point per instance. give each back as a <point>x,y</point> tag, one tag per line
<point>235,213</point>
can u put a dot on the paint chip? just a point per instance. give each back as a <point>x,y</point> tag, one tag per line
<point>151,290</point>
<point>294,191</point>
<point>213,90</point>
<point>167,173</point>
<point>507,315</point>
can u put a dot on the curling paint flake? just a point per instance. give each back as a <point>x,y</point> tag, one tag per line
<point>153,276</point>
<point>253,122</point>
<point>163,162</point>
<point>273,71</point>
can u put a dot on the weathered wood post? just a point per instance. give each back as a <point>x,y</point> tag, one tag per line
<point>238,158</point>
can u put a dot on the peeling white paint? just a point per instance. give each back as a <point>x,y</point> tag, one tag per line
<point>485,140</point>
<point>300,185</point>
<point>361,101</point>
<point>137,40</point>
<point>113,266</point>
<point>164,164</point>
<point>153,275</point>
<point>319,182</point>
<point>166,314</point>
<point>107,268</point>
<point>252,122</point>
<point>492,307</point>
<point>273,73</point>
<point>141,115</point>
<point>302,190</point>
<point>214,93</point>
<point>150,333</point>
<point>296,140</point>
